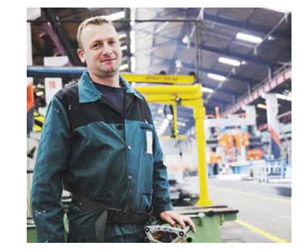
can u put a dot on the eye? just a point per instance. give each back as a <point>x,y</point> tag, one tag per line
<point>112,42</point>
<point>96,45</point>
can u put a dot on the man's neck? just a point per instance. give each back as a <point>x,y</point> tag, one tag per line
<point>112,81</point>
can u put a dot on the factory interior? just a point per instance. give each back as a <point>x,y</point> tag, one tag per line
<point>218,83</point>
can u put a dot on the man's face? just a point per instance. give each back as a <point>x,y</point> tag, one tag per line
<point>101,50</point>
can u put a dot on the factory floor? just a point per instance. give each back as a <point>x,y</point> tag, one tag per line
<point>264,210</point>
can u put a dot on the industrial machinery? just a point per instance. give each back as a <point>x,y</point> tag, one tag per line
<point>166,234</point>
<point>207,220</point>
<point>190,96</point>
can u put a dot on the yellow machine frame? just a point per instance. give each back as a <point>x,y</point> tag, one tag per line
<point>171,79</point>
<point>190,96</point>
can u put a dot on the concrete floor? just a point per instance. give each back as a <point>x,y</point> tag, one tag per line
<point>264,213</point>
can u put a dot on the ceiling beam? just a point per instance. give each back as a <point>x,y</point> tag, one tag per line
<point>283,77</point>
<point>246,26</point>
<point>61,33</point>
<point>228,53</point>
<point>239,56</point>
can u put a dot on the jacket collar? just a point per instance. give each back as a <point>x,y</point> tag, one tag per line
<point>89,93</point>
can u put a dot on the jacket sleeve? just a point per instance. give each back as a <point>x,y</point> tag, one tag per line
<point>51,162</point>
<point>161,194</point>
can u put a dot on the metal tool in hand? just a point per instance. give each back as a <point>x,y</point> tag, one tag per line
<point>165,234</point>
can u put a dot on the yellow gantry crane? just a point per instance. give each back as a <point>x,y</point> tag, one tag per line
<point>179,90</point>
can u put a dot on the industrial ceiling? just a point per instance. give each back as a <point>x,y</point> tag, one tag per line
<point>205,42</point>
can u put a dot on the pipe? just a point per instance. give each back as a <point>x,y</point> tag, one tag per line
<point>54,71</point>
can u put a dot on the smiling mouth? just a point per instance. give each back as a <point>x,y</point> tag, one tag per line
<point>108,60</point>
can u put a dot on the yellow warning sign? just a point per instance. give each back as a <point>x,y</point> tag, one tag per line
<point>170,79</point>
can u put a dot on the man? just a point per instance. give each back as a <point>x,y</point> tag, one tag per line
<point>99,143</point>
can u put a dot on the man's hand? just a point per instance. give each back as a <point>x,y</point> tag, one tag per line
<point>173,218</point>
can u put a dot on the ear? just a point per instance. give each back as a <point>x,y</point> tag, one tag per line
<point>81,55</point>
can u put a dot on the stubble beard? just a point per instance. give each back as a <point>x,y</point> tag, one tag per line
<point>110,72</point>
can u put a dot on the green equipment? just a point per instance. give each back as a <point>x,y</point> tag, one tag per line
<point>208,221</point>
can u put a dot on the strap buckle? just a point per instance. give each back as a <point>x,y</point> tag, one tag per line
<point>127,209</point>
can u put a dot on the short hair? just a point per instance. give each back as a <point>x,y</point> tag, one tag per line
<point>95,20</point>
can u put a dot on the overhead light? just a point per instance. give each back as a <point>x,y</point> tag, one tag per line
<point>186,39</point>
<point>40,93</point>
<point>271,38</point>
<point>160,111</point>
<point>121,36</point>
<point>207,90</point>
<point>124,47</point>
<point>40,86</point>
<point>123,66</point>
<point>283,97</point>
<point>216,77</point>
<point>244,62</point>
<point>169,117</point>
<point>248,38</point>
<point>181,124</point>
<point>262,106</point>
<point>132,16</point>
<point>178,63</point>
<point>229,61</point>
<point>116,16</point>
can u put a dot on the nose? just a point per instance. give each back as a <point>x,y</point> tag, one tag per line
<point>106,50</point>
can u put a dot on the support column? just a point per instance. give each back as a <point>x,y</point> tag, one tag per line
<point>175,121</point>
<point>32,14</point>
<point>250,114</point>
<point>273,124</point>
<point>199,114</point>
<point>29,45</point>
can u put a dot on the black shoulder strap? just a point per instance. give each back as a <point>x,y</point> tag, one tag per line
<point>69,97</point>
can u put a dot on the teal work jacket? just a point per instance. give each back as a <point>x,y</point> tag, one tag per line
<point>92,151</point>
